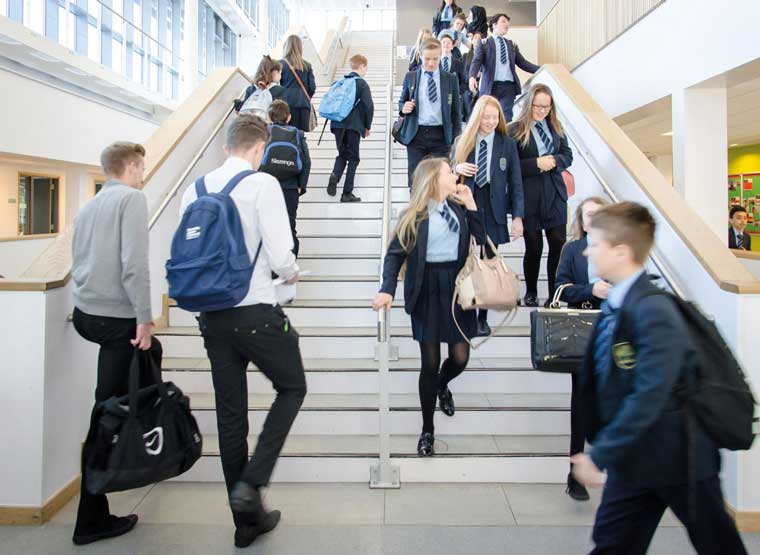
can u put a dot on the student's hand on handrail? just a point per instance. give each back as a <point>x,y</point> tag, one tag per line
<point>142,338</point>
<point>382,300</point>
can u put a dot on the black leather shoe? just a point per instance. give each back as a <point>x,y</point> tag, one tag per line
<point>425,445</point>
<point>484,330</point>
<point>446,402</point>
<point>349,197</point>
<point>245,535</point>
<point>575,489</point>
<point>119,526</point>
<point>244,498</point>
<point>332,185</point>
<point>530,300</point>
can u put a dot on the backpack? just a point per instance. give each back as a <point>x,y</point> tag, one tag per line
<point>258,103</point>
<point>715,392</point>
<point>339,100</point>
<point>282,155</point>
<point>210,268</point>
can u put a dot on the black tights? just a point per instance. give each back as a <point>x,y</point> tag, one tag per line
<point>534,247</point>
<point>430,379</point>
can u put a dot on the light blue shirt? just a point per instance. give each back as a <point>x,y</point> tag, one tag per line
<point>619,291</point>
<point>489,141</point>
<point>503,71</point>
<point>542,151</point>
<point>592,277</point>
<point>430,112</point>
<point>442,244</point>
<point>446,14</point>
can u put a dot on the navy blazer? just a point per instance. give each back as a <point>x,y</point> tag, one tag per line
<point>632,416</point>
<point>485,60</point>
<point>573,269</point>
<point>506,183</point>
<point>361,116</point>
<point>471,223</point>
<point>451,106</point>
<point>293,94</point>
<point>747,240</point>
<point>534,179</point>
<point>457,68</point>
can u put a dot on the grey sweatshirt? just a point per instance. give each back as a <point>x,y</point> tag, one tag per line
<point>110,255</point>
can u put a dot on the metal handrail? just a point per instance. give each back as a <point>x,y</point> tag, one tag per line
<point>336,45</point>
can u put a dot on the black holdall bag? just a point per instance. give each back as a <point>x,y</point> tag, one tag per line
<point>141,438</point>
<point>558,336</point>
<point>398,125</point>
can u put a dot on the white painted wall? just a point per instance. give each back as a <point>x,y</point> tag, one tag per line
<point>16,256</point>
<point>43,121</point>
<point>677,45</point>
<point>664,163</point>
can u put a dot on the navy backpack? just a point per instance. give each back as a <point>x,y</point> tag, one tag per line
<point>210,268</point>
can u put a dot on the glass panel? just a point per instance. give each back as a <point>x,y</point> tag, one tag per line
<point>116,56</point>
<point>93,43</point>
<point>34,15</point>
<point>137,62</point>
<point>61,24</point>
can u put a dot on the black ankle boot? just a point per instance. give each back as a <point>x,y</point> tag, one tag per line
<point>425,445</point>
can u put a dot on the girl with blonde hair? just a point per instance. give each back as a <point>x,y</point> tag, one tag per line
<point>433,239</point>
<point>486,157</point>
<point>298,82</point>
<point>414,57</point>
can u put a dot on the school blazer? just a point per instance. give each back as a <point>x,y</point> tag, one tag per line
<point>506,178</point>
<point>533,178</point>
<point>485,60</point>
<point>361,116</point>
<point>747,240</point>
<point>573,269</point>
<point>457,68</point>
<point>471,223</point>
<point>451,106</point>
<point>632,417</point>
<point>293,94</point>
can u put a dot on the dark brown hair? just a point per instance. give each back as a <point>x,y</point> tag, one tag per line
<point>578,230</point>
<point>454,8</point>
<point>627,223</point>
<point>115,158</point>
<point>495,19</point>
<point>264,72</point>
<point>357,60</point>
<point>245,131</point>
<point>279,111</point>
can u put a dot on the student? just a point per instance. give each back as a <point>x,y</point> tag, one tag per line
<point>433,238</point>
<point>414,55</point>
<point>478,23</point>
<point>256,330</point>
<point>458,34</point>
<point>634,419</point>
<point>294,186</point>
<point>432,110</point>
<point>469,98</point>
<point>497,62</point>
<point>265,90</point>
<point>737,239</point>
<point>584,290</point>
<point>487,156</point>
<point>451,63</point>
<point>348,133</point>
<point>544,155</point>
<point>111,278</point>
<point>444,16</point>
<point>298,82</point>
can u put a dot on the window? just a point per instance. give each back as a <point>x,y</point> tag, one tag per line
<point>37,204</point>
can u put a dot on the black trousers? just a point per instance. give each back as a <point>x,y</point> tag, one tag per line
<point>505,91</point>
<point>429,141</point>
<point>299,118</point>
<point>627,518</point>
<point>347,141</point>
<point>114,359</point>
<point>261,334</point>
<point>577,437</point>
<point>534,248</point>
<point>291,203</point>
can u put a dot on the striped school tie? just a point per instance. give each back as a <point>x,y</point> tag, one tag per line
<point>450,218</point>
<point>482,176</point>
<point>432,91</point>
<point>544,137</point>
<point>740,242</point>
<point>445,64</point>
<point>502,50</point>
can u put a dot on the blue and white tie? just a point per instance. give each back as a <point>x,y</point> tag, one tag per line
<point>450,218</point>
<point>432,91</point>
<point>445,64</point>
<point>482,176</point>
<point>544,137</point>
<point>503,50</point>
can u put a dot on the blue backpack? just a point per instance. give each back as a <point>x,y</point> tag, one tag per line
<point>210,268</point>
<point>339,99</point>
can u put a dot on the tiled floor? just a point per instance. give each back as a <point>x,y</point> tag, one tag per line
<point>337,519</point>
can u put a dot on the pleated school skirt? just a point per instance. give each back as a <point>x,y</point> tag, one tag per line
<point>432,321</point>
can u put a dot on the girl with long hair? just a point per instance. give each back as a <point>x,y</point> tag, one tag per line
<point>414,56</point>
<point>295,69</point>
<point>267,78</point>
<point>487,158</point>
<point>445,15</point>
<point>433,239</point>
<point>544,155</point>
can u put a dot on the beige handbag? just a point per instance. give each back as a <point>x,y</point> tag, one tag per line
<point>486,283</point>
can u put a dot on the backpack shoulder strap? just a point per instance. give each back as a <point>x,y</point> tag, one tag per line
<point>235,180</point>
<point>200,187</point>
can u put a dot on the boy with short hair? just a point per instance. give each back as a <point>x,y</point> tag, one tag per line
<point>293,183</point>
<point>737,239</point>
<point>639,352</point>
<point>452,64</point>
<point>348,133</point>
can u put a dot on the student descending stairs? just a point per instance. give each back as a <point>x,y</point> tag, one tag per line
<point>511,423</point>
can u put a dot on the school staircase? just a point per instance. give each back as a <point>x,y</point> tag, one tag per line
<point>511,423</point>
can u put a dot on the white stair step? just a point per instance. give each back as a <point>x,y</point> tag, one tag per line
<point>362,180</point>
<point>344,267</point>
<point>365,155</point>
<point>322,245</point>
<point>340,227</point>
<point>340,210</point>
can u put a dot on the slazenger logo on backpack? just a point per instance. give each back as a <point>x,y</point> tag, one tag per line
<point>154,441</point>
<point>288,163</point>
